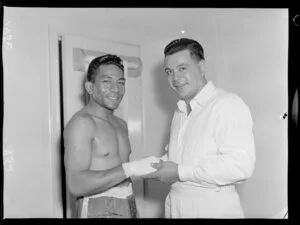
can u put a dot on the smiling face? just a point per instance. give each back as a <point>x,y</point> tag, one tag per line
<point>109,87</point>
<point>185,74</point>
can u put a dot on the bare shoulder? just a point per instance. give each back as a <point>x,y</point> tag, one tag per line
<point>122,123</point>
<point>81,122</point>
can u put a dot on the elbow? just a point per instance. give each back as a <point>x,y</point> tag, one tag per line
<point>250,167</point>
<point>246,171</point>
<point>245,175</point>
<point>75,192</point>
<point>246,166</point>
<point>75,188</point>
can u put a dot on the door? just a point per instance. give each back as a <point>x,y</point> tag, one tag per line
<point>77,52</point>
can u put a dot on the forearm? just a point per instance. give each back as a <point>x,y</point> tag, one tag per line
<point>218,170</point>
<point>89,182</point>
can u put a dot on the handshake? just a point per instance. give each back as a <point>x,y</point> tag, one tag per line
<point>140,167</point>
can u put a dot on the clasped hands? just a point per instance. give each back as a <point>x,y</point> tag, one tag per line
<point>153,168</point>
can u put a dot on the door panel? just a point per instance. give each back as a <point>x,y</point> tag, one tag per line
<point>77,52</point>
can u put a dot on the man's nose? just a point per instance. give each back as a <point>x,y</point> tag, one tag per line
<point>114,87</point>
<point>177,75</point>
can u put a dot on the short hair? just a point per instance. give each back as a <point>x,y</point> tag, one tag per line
<point>102,60</point>
<point>196,50</point>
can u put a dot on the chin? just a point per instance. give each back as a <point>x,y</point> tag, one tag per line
<point>113,106</point>
<point>182,96</point>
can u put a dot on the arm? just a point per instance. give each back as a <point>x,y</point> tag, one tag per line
<point>236,152</point>
<point>80,180</point>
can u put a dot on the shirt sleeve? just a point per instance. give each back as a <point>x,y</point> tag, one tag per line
<point>165,156</point>
<point>235,157</point>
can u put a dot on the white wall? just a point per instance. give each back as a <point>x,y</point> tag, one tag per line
<point>28,184</point>
<point>246,52</point>
<point>253,63</point>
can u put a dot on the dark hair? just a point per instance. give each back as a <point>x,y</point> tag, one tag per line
<point>102,60</point>
<point>177,45</point>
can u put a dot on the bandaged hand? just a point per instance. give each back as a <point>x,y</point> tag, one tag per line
<point>140,167</point>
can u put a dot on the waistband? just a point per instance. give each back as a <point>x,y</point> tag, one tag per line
<point>193,191</point>
<point>122,192</point>
<point>117,192</point>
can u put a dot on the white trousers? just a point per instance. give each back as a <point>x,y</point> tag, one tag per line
<point>197,202</point>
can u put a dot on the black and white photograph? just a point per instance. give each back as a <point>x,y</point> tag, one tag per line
<point>148,112</point>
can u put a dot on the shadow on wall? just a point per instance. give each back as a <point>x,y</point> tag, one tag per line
<point>84,96</point>
<point>155,198</point>
<point>165,97</point>
<point>166,100</point>
<point>241,189</point>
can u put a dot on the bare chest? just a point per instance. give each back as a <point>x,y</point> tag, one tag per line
<point>110,146</point>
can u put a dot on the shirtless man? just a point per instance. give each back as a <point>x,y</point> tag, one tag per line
<point>97,147</point>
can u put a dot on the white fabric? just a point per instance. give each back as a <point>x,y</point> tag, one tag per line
<point>140,167</point>
<point>164,157</point>
<point>196,202</point>
<point>118,192</point>
<point>214,145</point>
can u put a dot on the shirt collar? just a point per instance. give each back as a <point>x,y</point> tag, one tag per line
<point>200,99</point>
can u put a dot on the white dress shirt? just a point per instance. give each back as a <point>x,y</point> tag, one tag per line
<point>214,144</point>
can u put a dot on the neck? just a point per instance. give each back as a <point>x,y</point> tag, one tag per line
<point>188,107</point>
<point>188,100</point>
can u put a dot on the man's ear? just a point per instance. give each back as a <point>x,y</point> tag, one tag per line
<point>89,87</point>
<point>202,66</point>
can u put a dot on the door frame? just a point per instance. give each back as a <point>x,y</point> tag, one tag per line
<point>55,129</point>
<point>60,209</point>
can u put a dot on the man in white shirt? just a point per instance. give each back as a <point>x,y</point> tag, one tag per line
<point>211,146</point>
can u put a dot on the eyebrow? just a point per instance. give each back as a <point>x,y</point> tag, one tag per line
<point>104,76</point>
<point>181,64</point>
